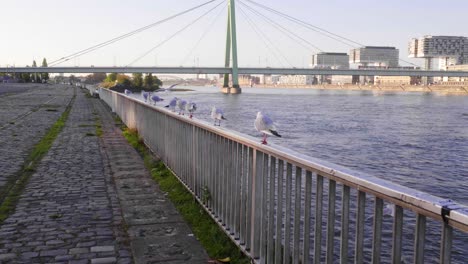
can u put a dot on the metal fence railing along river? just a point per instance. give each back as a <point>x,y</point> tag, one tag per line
<point>280,206</point>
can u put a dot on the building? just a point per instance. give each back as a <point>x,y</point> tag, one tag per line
<point>375,56</point>
<point>330,59</point>
<point>448,50</point>
<point>296,79</point>
<point>462,67</point>
<point>397,80</point>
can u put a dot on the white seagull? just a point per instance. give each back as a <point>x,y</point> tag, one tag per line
<point>181,105</point>
<point>191,108</point>
<point>127,92</point>
<point>145,95</point>
<point>155,99</point>
<point>217,114</point>
<point>172,104</point>
<point>266,126</point>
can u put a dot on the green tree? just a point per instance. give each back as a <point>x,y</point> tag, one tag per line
<point>111,77</point>
<point>96,77</point>
<point>137,80</point>
<point>124,80</point>
<point>34,76</point>
<point>44,76</point>
<point>158,83</point>
<point>149,81</point>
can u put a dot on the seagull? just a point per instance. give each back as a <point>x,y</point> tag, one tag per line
<point>191,108</point>
<point>127,92</point>
<point>168,89</point>
<point>181,105</point>
<point>155,99</point>
<point>145,95</point>
<point>172,104</point>
<point>266,126</point>
<point>217,114</point>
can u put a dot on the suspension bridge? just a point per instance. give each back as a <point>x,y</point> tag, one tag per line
<point>248,9</point>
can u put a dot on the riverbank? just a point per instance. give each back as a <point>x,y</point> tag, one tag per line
<point>440,89</point>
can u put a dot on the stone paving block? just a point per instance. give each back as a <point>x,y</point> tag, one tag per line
<point>159,230</point>
<point>102,248</point>
<point>8,256</point>
<point>160,249</point>
<point>103,260</point>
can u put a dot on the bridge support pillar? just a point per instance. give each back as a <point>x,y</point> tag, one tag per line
<point>231,48</point>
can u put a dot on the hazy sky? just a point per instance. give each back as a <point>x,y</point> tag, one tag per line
<point>34,29</point>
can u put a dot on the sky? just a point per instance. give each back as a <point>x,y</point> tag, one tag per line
<point>52,29</point>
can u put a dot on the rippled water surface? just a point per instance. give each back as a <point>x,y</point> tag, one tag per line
<point>415,139</point>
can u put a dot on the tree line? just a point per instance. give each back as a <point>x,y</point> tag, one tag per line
<point>136,81</point>
<point>36,77</point>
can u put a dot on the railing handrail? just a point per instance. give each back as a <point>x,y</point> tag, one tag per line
<point>418,201</point>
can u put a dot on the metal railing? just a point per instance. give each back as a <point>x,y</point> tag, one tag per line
<point>280,206</point>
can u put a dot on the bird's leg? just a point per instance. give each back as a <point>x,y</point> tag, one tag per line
<point>264,141</point>
<point>191,116</point>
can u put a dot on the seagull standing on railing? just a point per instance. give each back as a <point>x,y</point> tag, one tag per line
<point>172,104</point>
<point>191,108</point>
<point>217,114</point>
<point>181,105</point>
<point>155,99</point>
<point>145,95</point>
<point>127,92</point>
<point>266,126</point>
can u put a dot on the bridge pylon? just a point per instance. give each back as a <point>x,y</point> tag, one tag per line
<point>231,49</point>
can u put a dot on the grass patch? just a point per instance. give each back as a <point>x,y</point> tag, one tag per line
<point>16,185</point>
<point>214,240</point>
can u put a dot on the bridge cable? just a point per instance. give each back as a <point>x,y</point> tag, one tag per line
<point>173,35</point>
<point>208,29</point>
<point>309,26</point>
<point>113,40</point>
<point>279,29</point>
<point>264,38</point>
<point>317,29</point>
<point>277,26</point>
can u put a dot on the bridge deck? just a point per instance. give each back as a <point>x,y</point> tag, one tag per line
<point>82,204</point>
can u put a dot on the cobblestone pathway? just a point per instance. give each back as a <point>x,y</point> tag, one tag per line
<point>158,234</point>
<point>24,119</point>
<point>69,210</point>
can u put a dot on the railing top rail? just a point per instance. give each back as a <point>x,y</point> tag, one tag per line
<point>423,203</point>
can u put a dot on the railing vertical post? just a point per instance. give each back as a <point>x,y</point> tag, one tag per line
<point>279,214</point>
<point>446,244</point>
<point>360,221</point>
<point>297,215</point>
<point>344,225</point>
<point>287,217</point>
<point>331,220</point>
<point>256,201</point>
<point>307,205</point>
<point>250,193</point>
<point>271,211</point>
<point>419,237</point>
<point>377,239</point>
<point>264,221</point>
<point>397,235</point>
<point>318,220</point>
